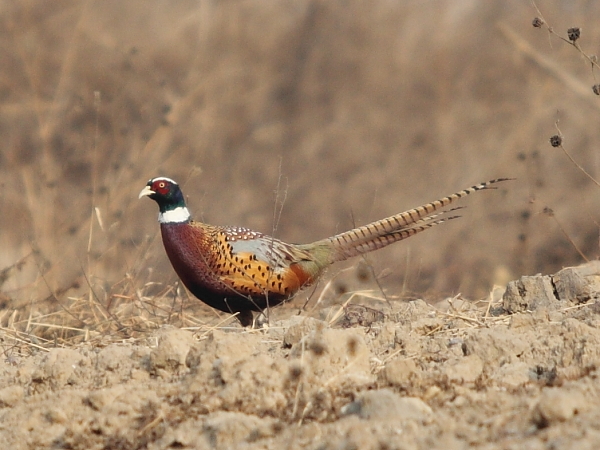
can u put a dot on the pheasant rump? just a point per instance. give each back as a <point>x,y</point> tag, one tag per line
<point>238,270</point>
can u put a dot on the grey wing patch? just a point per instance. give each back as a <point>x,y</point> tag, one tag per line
<point>266,248</point>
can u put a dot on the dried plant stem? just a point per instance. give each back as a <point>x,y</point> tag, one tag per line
<point>573,83</point>
<point>579,166</point>
<point>572,43</point>
<point>550,212</point>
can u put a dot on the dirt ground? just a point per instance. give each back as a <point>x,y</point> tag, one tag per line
<point>383,376</point>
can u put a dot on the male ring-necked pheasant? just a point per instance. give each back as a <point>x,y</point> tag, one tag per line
<point>238,270</point>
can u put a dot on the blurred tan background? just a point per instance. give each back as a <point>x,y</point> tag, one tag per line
<point>331,113</point>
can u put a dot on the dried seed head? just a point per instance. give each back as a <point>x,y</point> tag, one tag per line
<point>593,58</point>
<point>574,33</point>
<point>537,22</point>
<point>596,89</point>
<point>556,141</point>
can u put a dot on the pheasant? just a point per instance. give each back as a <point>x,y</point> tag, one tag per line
<point>237,270</point>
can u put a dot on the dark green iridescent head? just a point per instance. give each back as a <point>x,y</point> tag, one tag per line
<point>169,197</point>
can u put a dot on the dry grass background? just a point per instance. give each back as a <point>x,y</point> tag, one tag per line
<point>332,113</point>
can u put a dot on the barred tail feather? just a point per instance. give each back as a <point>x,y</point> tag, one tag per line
<point>360,246</point>
<point>392,229</point>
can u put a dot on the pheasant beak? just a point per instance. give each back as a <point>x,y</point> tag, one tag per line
<point>147,191</point>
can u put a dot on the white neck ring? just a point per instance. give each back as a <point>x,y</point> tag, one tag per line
<point>177,215</point>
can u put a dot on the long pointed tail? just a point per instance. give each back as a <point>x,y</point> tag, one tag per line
<point>395,228</point>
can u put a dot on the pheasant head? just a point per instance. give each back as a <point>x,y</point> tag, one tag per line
<point>169,197</point>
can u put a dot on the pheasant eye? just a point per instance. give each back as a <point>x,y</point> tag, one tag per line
<point>162,185</point>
